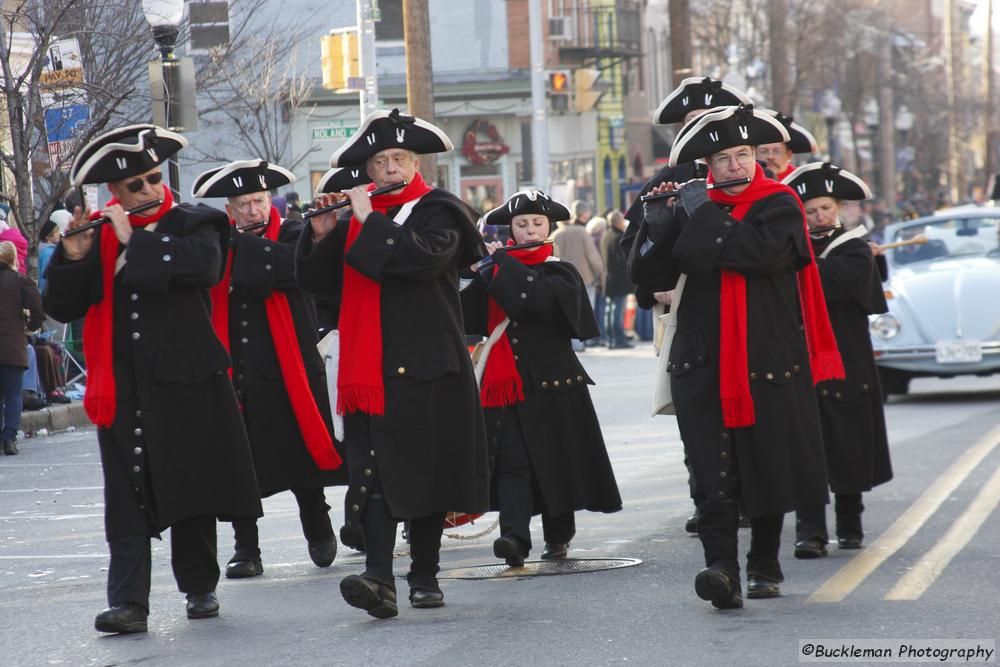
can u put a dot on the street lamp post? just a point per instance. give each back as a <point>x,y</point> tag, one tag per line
<point>830,108</point>
<point>164,16</point>
<point>871,112</point>
<point>904,123</point>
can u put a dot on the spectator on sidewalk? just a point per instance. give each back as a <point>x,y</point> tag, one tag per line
<point>17,294</point>
<point>574,245</point>
<point>617,286</point>
<point>293,210</point>
<point>48,237</point>
<point>12,234</point>
<point>596,228</point>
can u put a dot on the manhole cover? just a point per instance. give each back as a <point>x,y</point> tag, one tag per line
<point>538,568</point>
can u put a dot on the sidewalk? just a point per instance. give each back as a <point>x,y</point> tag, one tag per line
<point>55,418</point>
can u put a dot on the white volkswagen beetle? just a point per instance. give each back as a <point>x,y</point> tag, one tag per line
<point>944,299</point>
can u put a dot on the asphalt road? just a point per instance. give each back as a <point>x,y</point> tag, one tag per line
<point>929,571</point>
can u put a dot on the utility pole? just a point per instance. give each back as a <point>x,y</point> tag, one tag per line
<point>368,96</point>
<point>989,115</point>
<point>420,73</point>
<point>680,40</point>
<point>781,87</point>
<point>951,93</point>
<point>539,112</point>
<point>886,113</point>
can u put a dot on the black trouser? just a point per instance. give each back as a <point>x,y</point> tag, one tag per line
<point>314,514</point>
<point>811,523</point>
<point>379,527</point>
<point>696,495</point>
<point>718,527</point>
<point>517,489</point>
<point>192,556</point>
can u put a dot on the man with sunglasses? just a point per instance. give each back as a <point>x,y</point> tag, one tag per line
<point>269,327</point>
<point>173,447</point>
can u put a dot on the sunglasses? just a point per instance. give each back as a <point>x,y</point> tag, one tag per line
<point>136,185</point>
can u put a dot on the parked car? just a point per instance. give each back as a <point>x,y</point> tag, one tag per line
<point>944,299</point>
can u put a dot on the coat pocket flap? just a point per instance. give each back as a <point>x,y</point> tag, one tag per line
<point>558,375</point>
<point>420,359</point>
<point>687,352</point>
<point>189,365</point>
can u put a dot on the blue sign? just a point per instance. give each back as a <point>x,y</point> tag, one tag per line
<point>66,123</point>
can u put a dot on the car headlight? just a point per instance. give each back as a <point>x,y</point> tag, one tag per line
<point>886,326</point>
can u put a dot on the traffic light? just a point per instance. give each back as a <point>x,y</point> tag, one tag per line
<point>559,90</point>
<point>339,51</point>
<point>585,80</point>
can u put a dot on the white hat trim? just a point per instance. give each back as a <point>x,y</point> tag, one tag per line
<point>721,114</point>
<point>381,113</point>
<point>813,166</point>
<point>222,172</point>
<point>679,90</point>
<point>137,147</point>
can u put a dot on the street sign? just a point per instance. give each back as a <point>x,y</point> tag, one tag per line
<point>63,66</point>
<point>63,127</point>
<point>335,130</point>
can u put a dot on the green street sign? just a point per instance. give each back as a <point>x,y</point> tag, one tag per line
<point>333,132</point>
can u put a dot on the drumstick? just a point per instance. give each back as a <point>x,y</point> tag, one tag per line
<point>918,240</point>
<point>711,186</point>
<point>105,219</point>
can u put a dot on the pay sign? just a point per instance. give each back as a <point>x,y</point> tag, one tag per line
<point>63,66</point>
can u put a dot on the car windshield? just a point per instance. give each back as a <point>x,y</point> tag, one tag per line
<point>946,239</point>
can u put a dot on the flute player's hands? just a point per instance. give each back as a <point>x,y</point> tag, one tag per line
<point>77,246</point>
<point>323,223</point>
<point>360,202</point>
<point>656,213</point>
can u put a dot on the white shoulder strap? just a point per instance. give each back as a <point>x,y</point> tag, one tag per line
<point>856,233</point>
<point>405,210</point>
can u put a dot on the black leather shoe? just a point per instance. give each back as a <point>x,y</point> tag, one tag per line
<point>323,553</point>
<point>511,550</point>
<point>554,551</point>
<point>719,588</point>
<point>691,525</point>
<point>758,587</point>
<point>242,568</point>
<point>810,548</point>
<point>849,542</point>
<point>204,605</point>
<point>10,447</point>
<point>378,599</point>
<point>123,618</point>
<point>425,593</point>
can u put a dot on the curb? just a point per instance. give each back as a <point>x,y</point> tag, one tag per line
<point>55,418</point>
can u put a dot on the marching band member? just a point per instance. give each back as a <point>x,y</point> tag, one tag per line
<point>547,453</point>
<point>742,373</point>
<point>854,432</point>
<point>269,328</point>
<point>778,155</point>
<point>415,439</point>
<point>173,447</point>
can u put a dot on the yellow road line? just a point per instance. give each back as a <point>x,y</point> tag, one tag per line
<point>915,583</point>
<point>847,578</point>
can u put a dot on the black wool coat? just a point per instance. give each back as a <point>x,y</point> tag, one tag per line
<point>548,307</point>
<point>261,267</point>
<point>177,448</point>
<point>780,458</point>
<point>854,432</point>
<point>429,448</point>
<point>616,282</point>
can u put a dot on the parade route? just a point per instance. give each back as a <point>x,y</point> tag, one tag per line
<point>932,536</point>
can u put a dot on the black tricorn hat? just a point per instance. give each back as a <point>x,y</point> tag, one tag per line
<point>696,93</point>
<point>802,141</point>
<point>343,178</point>
<point>242,177</point>
<point>822,179</point>
<point>724,128</point>
<point>527,202</point>
<point>383,130</point>
<point>122,153</point>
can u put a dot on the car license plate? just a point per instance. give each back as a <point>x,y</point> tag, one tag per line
<point>958,352</point>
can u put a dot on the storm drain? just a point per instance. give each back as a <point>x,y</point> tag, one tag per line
<point>538,568</point>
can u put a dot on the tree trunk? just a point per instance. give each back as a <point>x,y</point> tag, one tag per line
<point>781,89</point>
<point>680,39</point>
<point>419,73</point>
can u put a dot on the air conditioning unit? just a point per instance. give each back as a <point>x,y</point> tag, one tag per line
<point>560,28</point>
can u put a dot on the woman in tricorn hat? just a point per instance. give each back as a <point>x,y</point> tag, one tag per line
<point>548,456</point>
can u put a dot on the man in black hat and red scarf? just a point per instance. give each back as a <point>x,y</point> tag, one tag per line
<point>777,156</point>
<point>173,447</point>
<point>413,425</point>
<point>742,372</point>
<point>269,327</point>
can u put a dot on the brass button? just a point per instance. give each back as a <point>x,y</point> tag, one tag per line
<point>770,376</point>
<point>513,341</point>
<point>136,335</point>
<point>826,393</point>
<point>136,468</point>
<point>390,241</point>
<point>513,324</point>
<point>718,239</point>
<point>138,414</point>
<point>355,508</point>
<point>725,435</point>
<point>722,473</point>
<point>137,450</point>
<point>368,472</point>
<point>569,382</point>
<point>167,258</point>
<point>516,357</point>
<point>864,387</point>
<point>753,376</point>
<point>267,267</point>
<point>531,279</point>
<point>788,374</point>
<point>244,340</point>
<point>372,452</point>
<point>579,378</point>
<point>721,494</point>
<point>545,385</point>
<point>267,248</point>
<point>524,295</point>
<point>555,383</point>
<point>134,316</point>
<point>724,455</point>
<point>796,368</point>
<point>838,394</point>
<point>363,489</point>
<point>138,431</point>
<point>401,370</point>
<point>134,297</point>
<point>687,365</point>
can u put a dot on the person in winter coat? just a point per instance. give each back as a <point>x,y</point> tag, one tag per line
<point>17,295</point>
<point>616,286</point>
<point>11,233</point>
<point>270,330</point>
<point>742,369</point>
<point>547,453</point>
<point>854,433</point>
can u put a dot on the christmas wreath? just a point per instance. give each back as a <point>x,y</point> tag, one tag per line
<point>486,152</point>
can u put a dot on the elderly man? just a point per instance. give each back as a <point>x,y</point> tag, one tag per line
<point>778,155</point>
<point>270,330</point>
<point>413,425</point>
<point>173,447</point>
<point>742,373</point>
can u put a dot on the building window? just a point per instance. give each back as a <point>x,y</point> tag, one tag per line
<point>209,22</point>
<point>390,27</point>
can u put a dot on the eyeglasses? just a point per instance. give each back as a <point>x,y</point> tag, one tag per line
<point>136,185</point>
<point>743,158</point>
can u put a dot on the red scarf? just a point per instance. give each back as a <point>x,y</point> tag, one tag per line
<point>501,382</point>
<point>286,346</point>
<point>783,175</point>
<point>824,358</point>
<point>99,400</point>
<point>359,380</point>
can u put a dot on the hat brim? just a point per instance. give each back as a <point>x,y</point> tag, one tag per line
<point>527,202</point>
<point>343,178</point>
<point>809,182</point>
<point>716,131</point>
<point>382,130</point>
<point>674,107</point>
<point>112,157</point>
<point>242,177</point>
